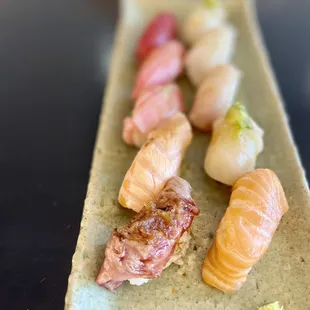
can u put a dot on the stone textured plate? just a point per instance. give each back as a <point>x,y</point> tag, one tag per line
<point>284,272</point>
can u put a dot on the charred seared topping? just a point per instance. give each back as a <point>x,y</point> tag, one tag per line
<point>143,247</point>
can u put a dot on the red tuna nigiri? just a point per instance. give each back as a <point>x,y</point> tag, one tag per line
<point>161,29</point>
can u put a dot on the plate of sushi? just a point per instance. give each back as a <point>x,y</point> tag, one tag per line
<point>197,198</point>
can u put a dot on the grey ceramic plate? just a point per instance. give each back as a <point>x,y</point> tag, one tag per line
<point>284,272</point>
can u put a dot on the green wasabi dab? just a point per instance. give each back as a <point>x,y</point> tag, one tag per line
<point>239,117</point>
<point>273,306</point>
<point>211,3</point>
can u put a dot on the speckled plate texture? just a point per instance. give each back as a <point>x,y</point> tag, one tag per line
<point>283,274</point>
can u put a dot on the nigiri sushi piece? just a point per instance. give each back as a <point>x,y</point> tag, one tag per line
<point>153,105</point>
<point>215,96</point>
<point>201,20</point>
<point>256,207</point>
<point>161,29</point>
<point>161,67</point>
<point>157,236</point>
<point>157,161</point>
<point>131,134</point>
<point>215,48</point>
<point>235,144</point>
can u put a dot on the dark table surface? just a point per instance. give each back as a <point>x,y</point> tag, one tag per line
<point>52,77</point>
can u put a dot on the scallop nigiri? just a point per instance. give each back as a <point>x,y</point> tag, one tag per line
<point>235,144</point>
<point>256,207</point>
<point>160,67</point>
<point>215,48</point>
<point>158,160</point>
<point>153,105</point>
<point>201,20</point>
<point>215,96</point>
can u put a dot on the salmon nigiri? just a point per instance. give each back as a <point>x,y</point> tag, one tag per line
<point>161,67</point>
<point>215,96</point>
<point>215,48</point>
<point>158,160</point>
<point>255,209</point>
<point>235,144</point>
<point>153,105</point>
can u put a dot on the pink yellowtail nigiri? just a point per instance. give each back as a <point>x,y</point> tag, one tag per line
<point>160,67</point>
<point>153,105</point>
<point>215,96</point>
<point>158,160</point>
<point>235,144</point>
<point>256,206</point>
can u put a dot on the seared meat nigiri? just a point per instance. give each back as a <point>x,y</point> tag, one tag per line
<point>161,67</point>
<point>215,96</point>
<point>215,48</point>
<point>201,20</point>
<point>153,105</point>
<point>235,144</point>
<point>158,160</point>
<point>255,209</point>
<point>146,245</point>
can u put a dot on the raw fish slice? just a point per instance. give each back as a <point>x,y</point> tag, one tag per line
<point>158,160</point>
<point>235,144</point>
<point>246,230</point>
<point>153,105</point>
<point>161,67</point>
<point>161,29</point>
<point>200,21</point>
<point>215,96</point>
<point>215,48</point>
<point>131,134</point>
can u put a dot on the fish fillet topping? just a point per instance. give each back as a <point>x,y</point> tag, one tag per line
<point>161,67</point>
<point>215,48</point>
<point>215,96</point>
<point>153,105</point>
<point>158,160</point>
<point>255,209</point>
<point>201,20</point>
<point>146,245</point>
<point>236,142</point>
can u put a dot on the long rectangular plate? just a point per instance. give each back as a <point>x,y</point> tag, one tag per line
<point>284,272</point>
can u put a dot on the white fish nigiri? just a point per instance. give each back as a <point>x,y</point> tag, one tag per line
<point>158,160</point>
<point>215,96</point>
<point>201,20</point>
<point>215,48</point>
<point>236,142</point>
